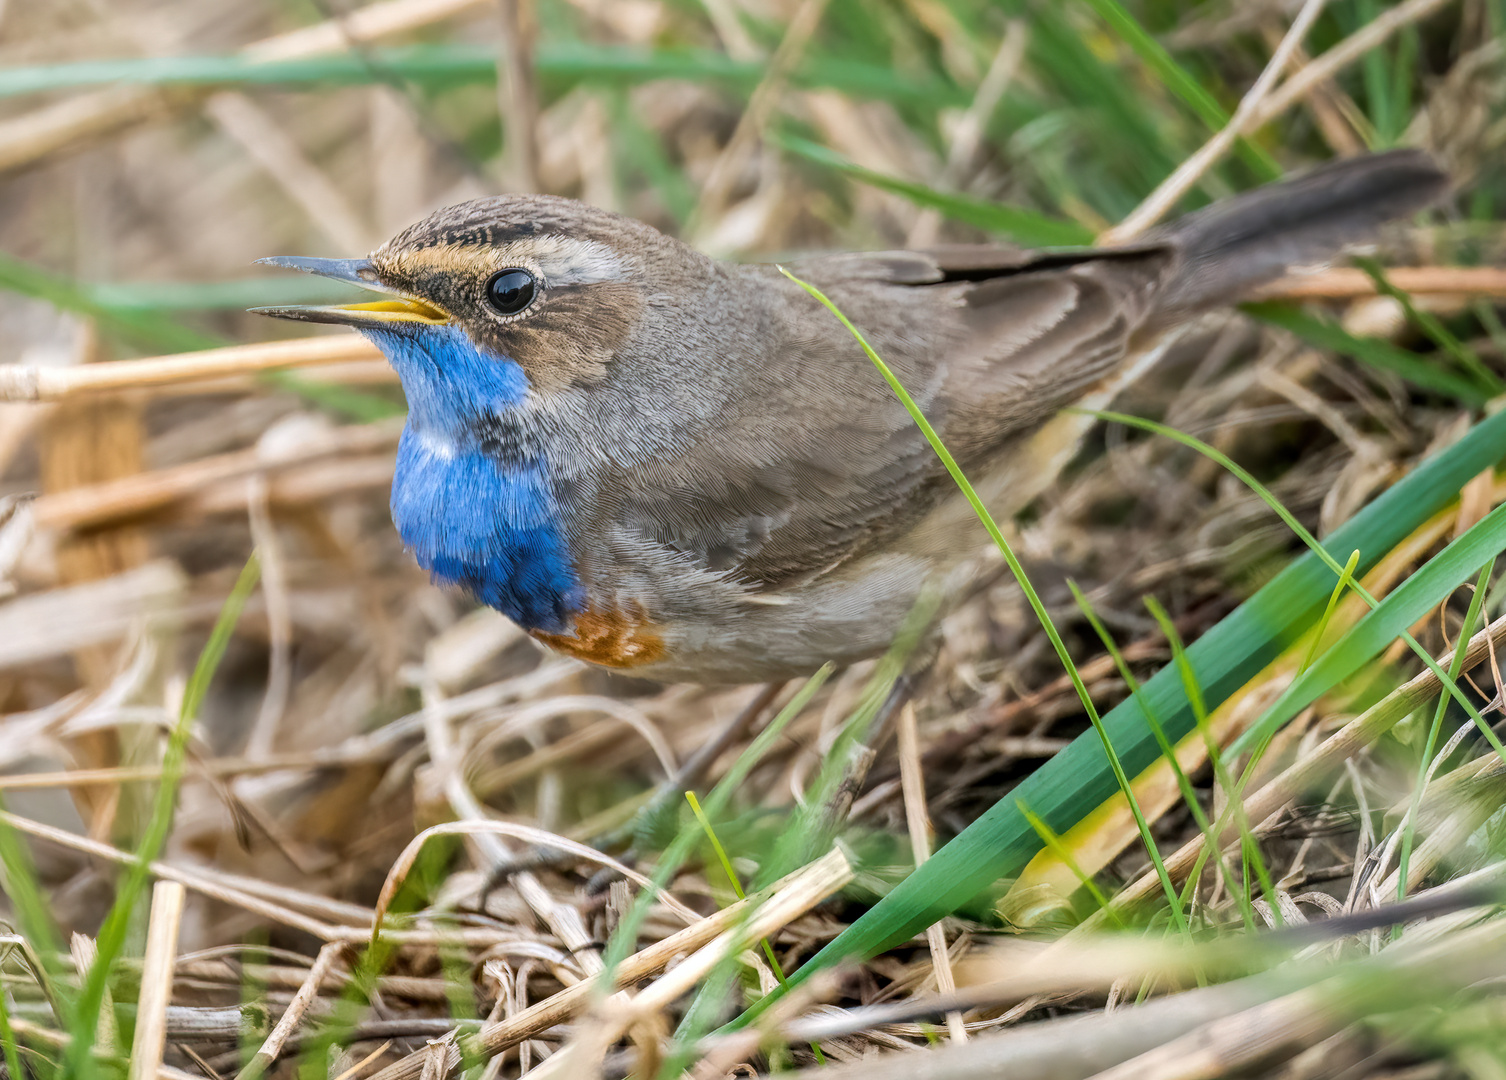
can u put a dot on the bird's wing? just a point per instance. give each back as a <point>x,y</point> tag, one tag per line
<point>819,462</point>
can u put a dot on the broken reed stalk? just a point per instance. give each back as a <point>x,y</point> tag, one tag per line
<point>22,382</point>
<point>913,789</point>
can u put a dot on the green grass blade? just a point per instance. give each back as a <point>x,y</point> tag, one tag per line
<point>1053,844</point>
<point>1388,74</point>
<point>1376,72</point>
<point>79,1061</point>
<point>1024,226</point>
<point>1378,354</point>
<point>1433,327</point>
<point>1168,751</point>
<point>1346,580</point>
<point>1424,766</point>
<point>1177,79</point>
<point>721,852</point>
<point>143,328</point>
<point>1221,776</point>
<point>1078,778</point>
<point>559,65</point>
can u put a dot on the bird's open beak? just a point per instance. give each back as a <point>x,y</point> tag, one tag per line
<point>399,309</point>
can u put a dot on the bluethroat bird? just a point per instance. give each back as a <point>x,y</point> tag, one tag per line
<point>687,469</point>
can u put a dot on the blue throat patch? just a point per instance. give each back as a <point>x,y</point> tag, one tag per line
<point>486,522</point>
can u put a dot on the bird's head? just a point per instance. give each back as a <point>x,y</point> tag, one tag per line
<point>489,300</point>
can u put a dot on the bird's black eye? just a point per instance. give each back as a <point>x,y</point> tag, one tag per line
<point>510,291</point>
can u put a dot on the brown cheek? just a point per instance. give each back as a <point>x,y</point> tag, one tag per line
<point>575,336</point>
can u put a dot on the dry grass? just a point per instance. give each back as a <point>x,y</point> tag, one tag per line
<point>358,705</point>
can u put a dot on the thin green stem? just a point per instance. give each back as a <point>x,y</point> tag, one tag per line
<point>79,1060</point>
<point>737,889</point>
<point>1221,774</point>
<point>1179,81</point>
<point>1425,765</point>
<point>1346,579</point>
<point>681,847</point>
<point>1168,751</point>
<point>1054,845</point>
<point>968,492</point>
<point>8,1041</point>
<point>1433,327</point>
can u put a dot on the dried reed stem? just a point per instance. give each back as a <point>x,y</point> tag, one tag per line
<point>1343,283</point>
<point>1171,190</point>
<point>830,873</point>
<point>156,979</point>
<point>1258,109</point>
<point>913,783</point>
<point>293,1016</point>
<point>1341,56</point>
<point>21,382</point>
<point>143,493</point>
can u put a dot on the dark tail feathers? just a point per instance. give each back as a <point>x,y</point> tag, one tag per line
<point>1232,246</point>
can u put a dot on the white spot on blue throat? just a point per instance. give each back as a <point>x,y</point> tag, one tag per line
<point>491,526</point>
